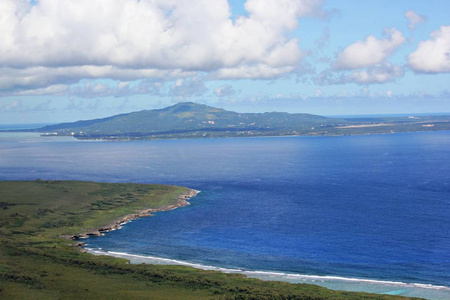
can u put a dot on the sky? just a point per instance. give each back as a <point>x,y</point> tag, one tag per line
<point>68,60</point>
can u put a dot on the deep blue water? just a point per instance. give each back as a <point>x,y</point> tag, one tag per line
<point>374,206</point>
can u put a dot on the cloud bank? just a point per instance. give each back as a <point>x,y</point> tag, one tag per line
<point>377,74</point>
<point>63,41</point>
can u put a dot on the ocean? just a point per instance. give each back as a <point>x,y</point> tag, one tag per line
<point>366,213</point>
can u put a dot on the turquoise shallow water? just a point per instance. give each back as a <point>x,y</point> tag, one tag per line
<point>369,207</point>
<point>332,282</point>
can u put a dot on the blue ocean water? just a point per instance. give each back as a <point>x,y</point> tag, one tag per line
<point>4,127</point>
<point>374,207</point>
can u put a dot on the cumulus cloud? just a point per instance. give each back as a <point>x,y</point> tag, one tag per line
<point>188,87</point>
<point>250,72</point>
<point>121,89</point>
<point>330,77</point>
<point>414,19</point>
<point>377,74</point>
<point>369,52</point>
<point>380,73</point>
<point>126,39</point>
<point>15,81</point>
<point>433,55</point>
<point>56,90</point>
<point>224,91</point>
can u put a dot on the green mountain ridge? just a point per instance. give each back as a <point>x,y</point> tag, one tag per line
<point>192,120</point>
<point>190,117</point>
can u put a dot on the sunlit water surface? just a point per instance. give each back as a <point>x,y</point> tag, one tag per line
<point>370,207</point>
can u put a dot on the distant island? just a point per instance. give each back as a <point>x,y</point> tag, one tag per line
<point>192,120</point>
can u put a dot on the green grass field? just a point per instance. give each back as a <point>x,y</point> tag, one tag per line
<point>38,261</point>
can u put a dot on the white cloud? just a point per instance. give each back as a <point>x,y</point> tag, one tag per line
<point>330,77</point>
<point>188,88</point>
<point>377,74</point>
<point>369,52</point>
<point>129,39</point>
<point>14,106</point>
<point>414,19</point>
<point>251,72</point>
<point>122,89</point>
<point>224,91</point>
<point>57,89</point>
<point>324,40</point>
<point>318,93</point>
<point>14,80</point>
<point>433,55</point>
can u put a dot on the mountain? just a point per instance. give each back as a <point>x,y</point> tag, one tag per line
<point>192,120</point>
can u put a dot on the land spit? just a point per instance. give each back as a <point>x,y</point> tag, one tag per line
<point>117,224</point>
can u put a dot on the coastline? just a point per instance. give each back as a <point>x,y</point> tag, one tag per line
<point>106,139</point>
<point>427,291</point>
<point>180,201</point>
<point>385,287</point>
<point>382,287</point>
<point>109,140</point>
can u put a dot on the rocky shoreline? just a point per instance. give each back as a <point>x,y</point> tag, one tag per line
<point>180,202</point>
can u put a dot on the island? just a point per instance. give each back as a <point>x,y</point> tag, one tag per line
<point>41,256</point>
<point>192,120</point>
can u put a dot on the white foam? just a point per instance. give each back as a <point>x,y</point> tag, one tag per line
<point>268,274</point>
<point>166,261</point>
<point>346,279</point>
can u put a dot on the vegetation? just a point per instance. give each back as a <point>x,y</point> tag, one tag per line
<point>190,120</point>
<point>37,261</point>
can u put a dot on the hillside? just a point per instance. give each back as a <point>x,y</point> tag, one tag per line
<point>191,120</point>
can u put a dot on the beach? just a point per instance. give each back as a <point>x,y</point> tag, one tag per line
<point>426,291</point>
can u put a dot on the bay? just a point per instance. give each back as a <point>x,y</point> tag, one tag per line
<point>370,207</point>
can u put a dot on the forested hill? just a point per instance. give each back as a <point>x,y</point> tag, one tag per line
<point>191,120</point>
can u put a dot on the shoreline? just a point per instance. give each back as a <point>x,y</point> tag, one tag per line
<point>106,140</point>
<point>387,287</point>
<point>332,282</point>
<point>180,201</point>
<point>241,136</point>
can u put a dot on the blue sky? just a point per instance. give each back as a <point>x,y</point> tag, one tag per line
<point>68,60</point>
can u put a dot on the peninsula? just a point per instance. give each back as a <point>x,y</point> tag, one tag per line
<point>40,260</point>
<point>191,120</point>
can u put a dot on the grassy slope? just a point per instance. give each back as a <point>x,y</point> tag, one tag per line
<point>36,263</point>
